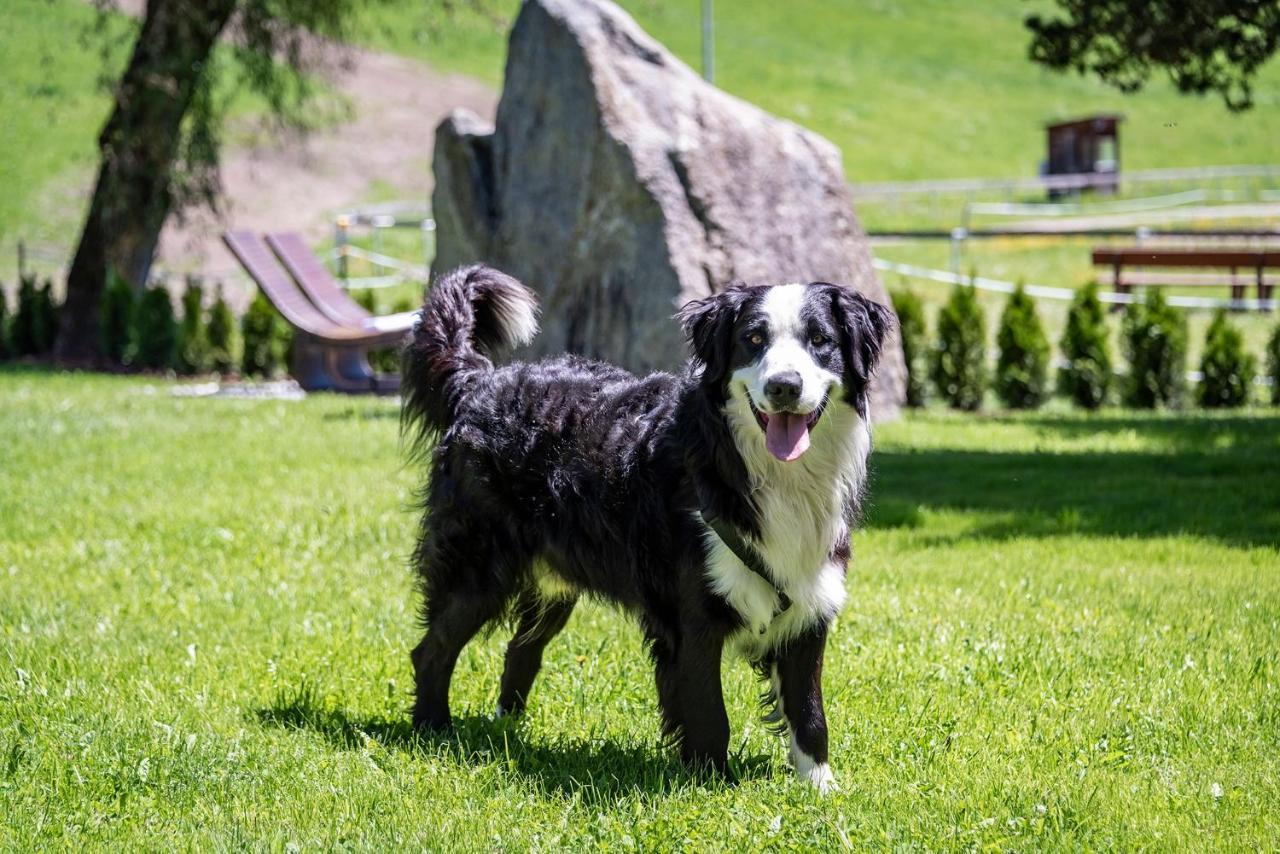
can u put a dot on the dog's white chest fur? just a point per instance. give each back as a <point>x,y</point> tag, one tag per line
<point>802,508</point>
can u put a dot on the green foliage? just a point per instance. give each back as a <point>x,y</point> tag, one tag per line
<point>386,361</point>
<point>194,353</point>
<point>1228,370</point>
<point>364,296</point>
<point>1022,365</point>
<point>4,324</point>
<point>1155,338</point>
<point>35,323</point>
<point>224,342</point>
<point>1207,46</point>
<point>1273,365</point>
<point>266,339</point>
<point>958,368</point>
<point>115,318</point>
<point>154,340</point>
<point>1085,346</point>
<point>913,333</point>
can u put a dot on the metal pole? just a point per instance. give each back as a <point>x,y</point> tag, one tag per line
<point>708,44</point>
<point>340,240</point>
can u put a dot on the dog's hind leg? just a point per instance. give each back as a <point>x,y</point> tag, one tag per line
<point>705,741</point>
<point>539,620</point>
<point>449,628</point>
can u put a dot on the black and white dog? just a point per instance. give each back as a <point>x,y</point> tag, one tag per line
<point>715,505</point>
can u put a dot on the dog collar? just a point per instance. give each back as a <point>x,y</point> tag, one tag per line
<point>746,553</point>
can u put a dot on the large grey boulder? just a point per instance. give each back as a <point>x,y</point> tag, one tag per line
<point>619,185</point>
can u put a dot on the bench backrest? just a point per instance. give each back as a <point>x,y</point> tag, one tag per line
<point>315,280</point>
<point>1141,256</point>
<point>256,257</point>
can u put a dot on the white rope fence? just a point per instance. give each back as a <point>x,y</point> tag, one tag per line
<point>1150,203</point>
<point>1065,294</point>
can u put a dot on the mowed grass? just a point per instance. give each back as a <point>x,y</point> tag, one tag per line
<point>1062,631</point>
<point>908,90</point>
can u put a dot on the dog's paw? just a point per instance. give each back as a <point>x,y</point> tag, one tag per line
<point>821,778</point>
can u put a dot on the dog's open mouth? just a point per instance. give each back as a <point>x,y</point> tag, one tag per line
<point>786,434</point>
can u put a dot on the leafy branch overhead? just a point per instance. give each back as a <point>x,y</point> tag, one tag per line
<point>1205,46</point>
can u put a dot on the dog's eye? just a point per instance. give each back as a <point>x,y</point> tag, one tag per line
<point>817,339</point>
<point>755,339</point>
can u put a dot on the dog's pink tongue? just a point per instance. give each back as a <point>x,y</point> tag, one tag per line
<point>787,435</point>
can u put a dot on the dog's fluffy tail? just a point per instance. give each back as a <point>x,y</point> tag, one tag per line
<point>470,315</point>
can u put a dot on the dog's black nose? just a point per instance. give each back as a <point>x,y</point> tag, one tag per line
<point>783,390</point>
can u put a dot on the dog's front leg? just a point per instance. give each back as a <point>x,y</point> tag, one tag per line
<point>705,724</point>
<point>799,669</point>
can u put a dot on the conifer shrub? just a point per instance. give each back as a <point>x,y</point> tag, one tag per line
<point>266,339</point>
<point>1228,370</point>
<point>958,367</point>
<point>913,334</point>
<point>1086,378</point>
<point>1273,365</point>
<point>1155,338</point>
<point>4,324</point>
<point>222,337</point>
<point>115,318</point>
<point>49,315</point>
<point>1022,364</point>
<point>35,322</point>
<point>155,331</point>
<point>193,333</point>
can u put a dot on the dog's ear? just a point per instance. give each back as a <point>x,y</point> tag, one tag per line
<point>708,324</point>
<point>864,326</point>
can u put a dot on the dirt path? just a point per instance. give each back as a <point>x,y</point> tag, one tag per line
<point>298,183</point>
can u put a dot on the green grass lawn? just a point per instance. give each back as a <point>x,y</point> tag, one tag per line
<point>908,90</point>
<point>1063,631</point>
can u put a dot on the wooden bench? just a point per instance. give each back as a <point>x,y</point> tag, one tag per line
<point>328,354</point>
<point>1238,269</point>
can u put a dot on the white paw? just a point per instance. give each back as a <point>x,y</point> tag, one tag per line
<point>499,713</point>
<point>816,774</point>
<point>821,778</point>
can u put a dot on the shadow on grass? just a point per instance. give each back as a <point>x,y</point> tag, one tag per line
<point>1218,478</point>
<point>597,769</point>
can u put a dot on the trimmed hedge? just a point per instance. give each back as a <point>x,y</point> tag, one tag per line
<point>913,333</point>
<point>1085,346</point>
<point>1155,337</point>
<point>1273,366</point>
<point>115,318</point>
<point>1022,366</point>
<point>959,356</point>
<point>1228,371</point>
<point>194,355</point>
<point>4,324</point>
<point>266,339</point>
<point>35,323</point>
<point>223,341</point>
<point>155,332</point>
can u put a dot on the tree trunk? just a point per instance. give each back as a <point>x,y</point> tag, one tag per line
<point>139,147</point>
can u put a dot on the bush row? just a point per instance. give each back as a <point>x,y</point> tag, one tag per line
<point>143,330</point>
<point>1153,335</point>
<point>32,327</point>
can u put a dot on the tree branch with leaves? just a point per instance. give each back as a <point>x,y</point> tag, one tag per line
<point>1205,45</point>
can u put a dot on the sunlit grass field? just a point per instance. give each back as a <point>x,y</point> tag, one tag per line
<point>1062,631</point>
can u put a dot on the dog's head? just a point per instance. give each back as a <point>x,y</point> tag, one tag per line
<point>790,350</point>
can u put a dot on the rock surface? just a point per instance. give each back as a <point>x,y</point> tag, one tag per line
<point>619,185</point>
